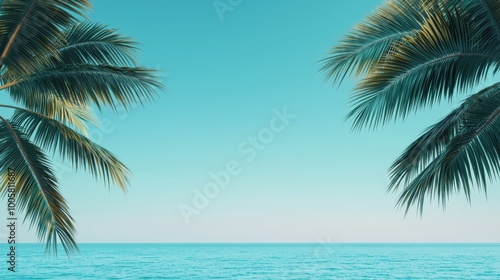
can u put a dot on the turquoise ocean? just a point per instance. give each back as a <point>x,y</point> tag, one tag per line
<point>259,261</point>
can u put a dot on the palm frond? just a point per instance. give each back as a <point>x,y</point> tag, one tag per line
<point>52,106</point>
<point>370,40</point>
<point>31,27</point>
<point>77,149</point>
<point>90,84</point>
<point>94,43</point>
<point>443,57</point>
<point>58,68</point>
<point>457,153</point>
<point>36,189</point>
<point>486,15</point>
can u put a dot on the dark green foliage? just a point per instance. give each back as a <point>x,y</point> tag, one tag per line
<point>414,54</point>
<point>56,66</point>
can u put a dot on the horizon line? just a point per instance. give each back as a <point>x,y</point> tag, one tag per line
<point>268,243</point>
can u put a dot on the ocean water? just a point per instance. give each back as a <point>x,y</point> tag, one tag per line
<point>259,261</point>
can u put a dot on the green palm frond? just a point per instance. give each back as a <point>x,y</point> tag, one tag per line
<point>36,189</point>
<point>58,68</point>
<point>413,55</point>
<point>29,29</point>
<point>486,15</point>
<point>440,59</point>
<point>81,152</point>
<point>471,158</point>
<point>52,106</point>
<point>94,43</point>
<point>454,154</point>
<point>90,84</point>
<point>370,40</point>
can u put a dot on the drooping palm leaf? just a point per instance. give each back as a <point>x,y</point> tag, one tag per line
<point>460,151</point>
<point>443,47</point>
<point>81,152</point>
<point>52,106</point>
<point>58,68</point>
<point>36,189</point>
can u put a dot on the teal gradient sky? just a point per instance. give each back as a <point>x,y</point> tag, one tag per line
<point>315,180</point>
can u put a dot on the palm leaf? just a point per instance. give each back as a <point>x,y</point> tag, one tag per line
<point>413,54</point>
<point>435,139</point>
<point>36,189</point>
<point>370,40</point>
<point>93,43</point>
<point>52,106</point>
<point>90,84</point>
<point>58,68</point>
<point>486,15</point>
<point>441,59</point>
<point>81,152</point>
<point>462,151</point>
<point>31,27</point>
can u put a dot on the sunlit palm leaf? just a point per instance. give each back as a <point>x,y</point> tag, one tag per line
<point>442,58</point>
<point>375,37</point>
<point>71,114</point>
<point>82,153</point>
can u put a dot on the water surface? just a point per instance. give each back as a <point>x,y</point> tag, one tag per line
<point>260,261</point>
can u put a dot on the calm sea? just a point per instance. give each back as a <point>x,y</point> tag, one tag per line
<point>260,261</point>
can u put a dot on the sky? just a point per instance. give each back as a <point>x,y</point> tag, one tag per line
<point>248,143</point>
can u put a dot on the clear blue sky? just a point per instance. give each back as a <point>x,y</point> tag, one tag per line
<point>312,180</point>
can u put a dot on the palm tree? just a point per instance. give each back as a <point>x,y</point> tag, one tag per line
<point>56,67</point>
<point>412,54</point>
